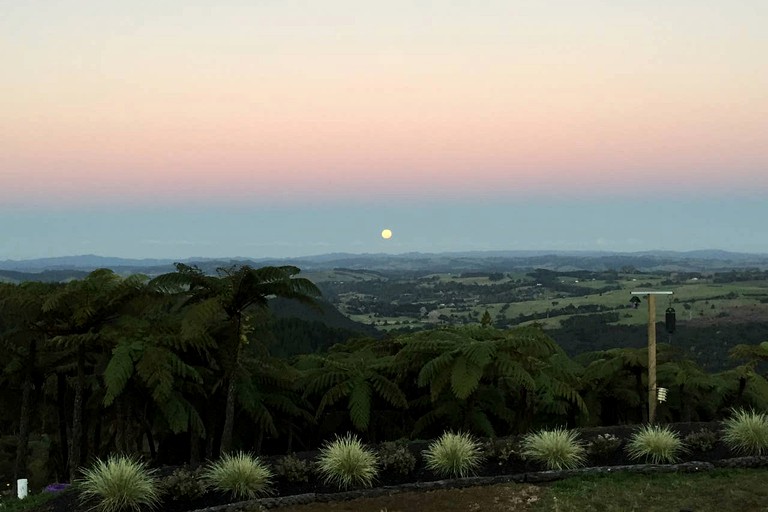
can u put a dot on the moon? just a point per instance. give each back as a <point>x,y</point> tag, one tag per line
<point>386,234</point>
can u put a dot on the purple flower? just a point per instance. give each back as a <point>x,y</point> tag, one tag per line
<point>57,487</point>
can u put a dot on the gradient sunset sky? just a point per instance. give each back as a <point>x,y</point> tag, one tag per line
<point>184,128</point>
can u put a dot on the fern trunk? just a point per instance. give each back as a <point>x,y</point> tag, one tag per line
<point>121,444</point>
<point>229,418</point>
<point>20,467</point>
<point>229,409</point>
<point>76,444</point>
<point>95,444</point>
<point>210,428</point>
<point>61,399</point>
<point>642,409</point>
<point>194,449</point>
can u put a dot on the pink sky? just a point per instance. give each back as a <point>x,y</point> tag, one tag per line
<point>281,102</point>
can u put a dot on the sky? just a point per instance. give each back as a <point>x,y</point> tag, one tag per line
<point>183,128</point>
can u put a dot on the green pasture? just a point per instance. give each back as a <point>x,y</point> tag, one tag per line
<point>691,299</point>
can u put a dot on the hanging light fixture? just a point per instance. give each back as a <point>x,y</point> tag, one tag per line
<point>669,320</point>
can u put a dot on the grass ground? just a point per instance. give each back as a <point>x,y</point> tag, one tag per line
<point>722,491</point>
<point>726,490</point>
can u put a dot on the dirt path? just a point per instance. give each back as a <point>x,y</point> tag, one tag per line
<point>495,498</point>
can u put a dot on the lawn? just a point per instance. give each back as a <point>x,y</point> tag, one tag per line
<point>720,490</point>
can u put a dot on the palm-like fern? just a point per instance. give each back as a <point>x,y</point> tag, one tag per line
<point>220,311</point>
<point>357,377</point>
<point>149,352</point>
<point>616,377</point>
<point>697,394</point>
<point>475,372</point>
<point>76,315</point>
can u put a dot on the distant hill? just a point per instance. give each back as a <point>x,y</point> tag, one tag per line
<point>46,276</point>
<point>492,261</point>
<point>324,312</point>
<point>86,262</point>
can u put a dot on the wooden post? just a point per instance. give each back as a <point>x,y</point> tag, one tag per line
<point>651,296</point>
<point>651,358</point>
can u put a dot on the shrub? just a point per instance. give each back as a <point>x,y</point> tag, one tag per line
<point>703,440</point>
<point>241,475</point>
<point>183,484</point>
<point>556,449</point>
<point>746,432</point>
<point>603,445</point>
<point>119,483</point>
<point>345,462</point>
<point>39,501</point>
<point>501,450</point>
<point>453,455</point>
<point>292,468</point>
<point>656,444</point>
<point>397,458</point>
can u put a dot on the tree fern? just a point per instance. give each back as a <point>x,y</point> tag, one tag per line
<point>356,376</point>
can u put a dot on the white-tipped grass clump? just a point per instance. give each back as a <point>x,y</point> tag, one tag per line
<point>655,444</point>
<point>746,432</point>
<point>119,484</point>
<point>453,455</point>
<point>345,462</point>
<point>241,475</point>
<point>556,449</point>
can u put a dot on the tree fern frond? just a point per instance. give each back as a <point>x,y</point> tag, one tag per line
<point>154,370</point>
<point>360,404</point>
<point>438,384</point>
<point>479,353</point>
<point>447,410</point>
<point>200,318</point>
<point>481,423</point>
<point>333,395</point>
<point>176,414</point>
<point>286,405</point>
<point>389,391</point>
<point>465,377</point>
<point>512,372</point>
<point>322,380</point>
<point>437,365</point>
<point>119,370</point>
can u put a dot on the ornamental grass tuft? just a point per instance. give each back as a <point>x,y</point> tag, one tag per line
<point>345,462</point>
<point>453,455</point>
<point>655,444</point>
<point>746,432</point>
<point>556,449</point>
<point>119,484</point>
<point>241,475</point>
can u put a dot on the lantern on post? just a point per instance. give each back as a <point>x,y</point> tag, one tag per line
<point>669,320</point>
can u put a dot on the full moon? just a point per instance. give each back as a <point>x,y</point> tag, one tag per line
<point>386,234</point>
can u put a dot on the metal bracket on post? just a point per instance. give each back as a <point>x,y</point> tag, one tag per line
<point>652,390</point>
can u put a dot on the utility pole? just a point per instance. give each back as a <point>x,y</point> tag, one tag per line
<point>652,391</point>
